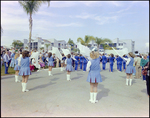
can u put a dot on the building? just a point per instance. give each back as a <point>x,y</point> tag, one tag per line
<point>127,43</point>
<point>118,44</point>
<point>41,43</point>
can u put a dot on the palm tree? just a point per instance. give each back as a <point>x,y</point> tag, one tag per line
<point>86,40</point>
<point>98,42</point>
<point>41,48</point>
<point>31,7</point>
<point>47,45</point>
<point>102,41</point>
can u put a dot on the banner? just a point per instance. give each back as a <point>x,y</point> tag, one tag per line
<point>119,52</point>
<point>84,50</point>
<point>65,51</point>
<point>57,53</point>
<point>35,55</point>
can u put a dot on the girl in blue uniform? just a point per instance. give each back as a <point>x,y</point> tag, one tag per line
<point>63,62</point>
<point>111,61</point>
<point>69,67</point>
<point>50,63</point>
<point>76,62</point>
<point>130,69</point>
<point>81,61</point>
<point>120,60</point>
<point>94,76</point>
<point>85,60</point>
<point>17,67</point>
<point>25,69</point>
<point>104,61</point>
<point>12,63</point>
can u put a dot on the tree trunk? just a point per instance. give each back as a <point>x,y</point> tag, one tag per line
<point>98,48</point>
<point>30,28</point>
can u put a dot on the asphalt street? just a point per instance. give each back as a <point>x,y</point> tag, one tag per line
<point>51,96</point>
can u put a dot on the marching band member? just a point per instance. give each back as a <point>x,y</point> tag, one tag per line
<point>85,61</point>
<point>12,63</point>
<point>111,61</point>
<point>69,67</point>
<point>24,71</point>
<point>17,67</point>
<point>76,62</point>
<point>50,63</point>
<point>63,62</point>
<point>81,61</point>
<point>130,69</point>
<point>104,61</point>
<point>94,76</point>
<point>120,60</point>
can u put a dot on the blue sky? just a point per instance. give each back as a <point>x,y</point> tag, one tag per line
<point>73,19</point>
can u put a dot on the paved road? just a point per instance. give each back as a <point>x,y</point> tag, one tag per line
<point>54,96</point>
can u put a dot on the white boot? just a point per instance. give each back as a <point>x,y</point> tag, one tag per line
<point>94,98</point>
<point>130,82</point>
<point>50,73</point>
<point>69,78</point>
<point>91,96</point>
<point>23,90</point>
<point>127,81</point>
<point>61,68</point>
<point>25,87</point>
<point>17,80</point>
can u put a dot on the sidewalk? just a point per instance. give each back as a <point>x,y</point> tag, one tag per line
<point>54,96</point>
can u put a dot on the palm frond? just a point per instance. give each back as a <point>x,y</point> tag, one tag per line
<point>81,41</point>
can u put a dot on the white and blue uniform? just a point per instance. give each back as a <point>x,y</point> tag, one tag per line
<point>130,69</point>
<point>25,66</point>
<point>17,67</point>
<point>50,61</point>
<point>69,67</point>
<point>12,63</point>
<point>93,67</point>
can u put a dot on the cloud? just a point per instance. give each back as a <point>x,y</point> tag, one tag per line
<point>83,16</point>
<point>69,24</point>
<point>115,3</point>
<point>100,20</point>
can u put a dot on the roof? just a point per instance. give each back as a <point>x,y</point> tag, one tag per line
<point>45,40</point>
<point>61,40</point>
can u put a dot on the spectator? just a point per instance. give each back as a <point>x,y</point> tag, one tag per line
<point>137,61</point>
<point>147,77</point>
<point>6,62</point>
<point>143,63</point>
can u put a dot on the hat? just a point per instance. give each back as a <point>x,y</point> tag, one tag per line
<point>94,55</point>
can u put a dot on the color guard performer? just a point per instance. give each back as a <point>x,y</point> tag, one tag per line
<point>94,77</point>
